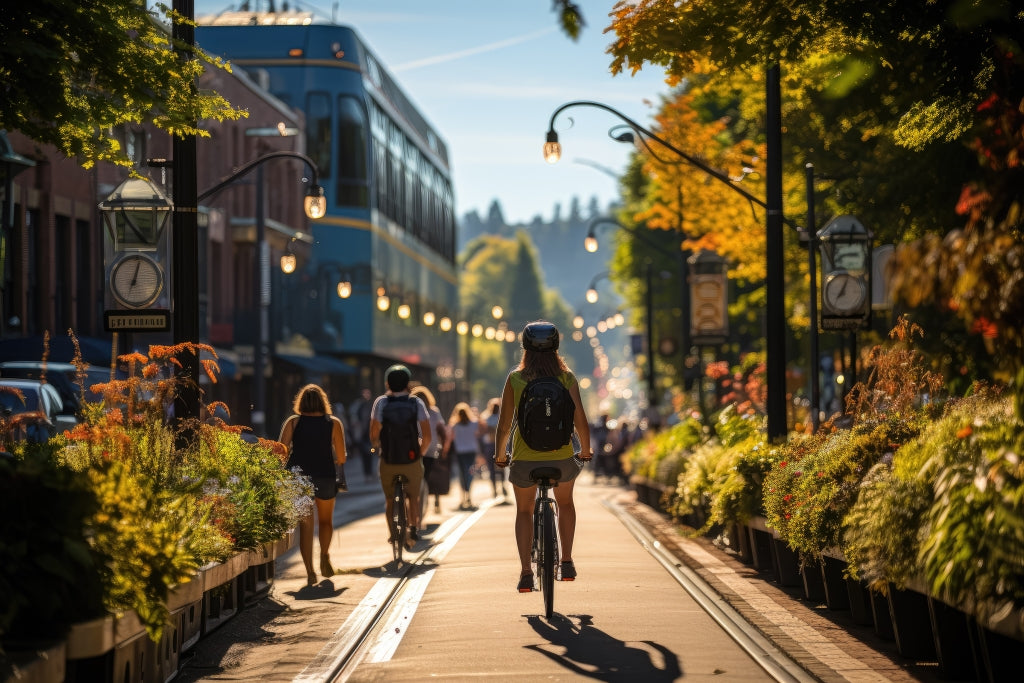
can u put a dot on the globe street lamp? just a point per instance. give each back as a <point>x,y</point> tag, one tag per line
<point>775,339</point>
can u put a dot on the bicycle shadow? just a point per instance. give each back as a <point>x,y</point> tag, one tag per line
<point>589,652</point>
<point>324,588</point>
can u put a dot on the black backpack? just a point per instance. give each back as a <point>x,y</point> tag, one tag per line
<point>399,434</point>
<point>544,416</point>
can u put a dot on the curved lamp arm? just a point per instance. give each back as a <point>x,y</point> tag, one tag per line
<point>553,149</point>
<point>315,205</point>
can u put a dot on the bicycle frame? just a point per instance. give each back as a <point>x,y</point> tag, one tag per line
<point>545,554</point>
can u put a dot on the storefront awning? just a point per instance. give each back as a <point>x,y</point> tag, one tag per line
<point>322,365</point>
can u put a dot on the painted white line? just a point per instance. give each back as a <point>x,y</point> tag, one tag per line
<point>392,630</point>
<point>348,634</point>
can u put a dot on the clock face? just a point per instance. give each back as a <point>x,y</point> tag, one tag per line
<point>844,293</point>
<point>136,281</point>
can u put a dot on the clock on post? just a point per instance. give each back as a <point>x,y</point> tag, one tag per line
<point>845,247</point>
<point>136,257</point>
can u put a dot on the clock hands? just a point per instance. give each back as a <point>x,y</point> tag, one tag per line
<point>135,275</point>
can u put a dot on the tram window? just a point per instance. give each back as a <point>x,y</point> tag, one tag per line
<point>351,183</point>
<point>318,131</point>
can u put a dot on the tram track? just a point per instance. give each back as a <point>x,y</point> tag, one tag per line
<point>376,627</point>
<point>771,659</point>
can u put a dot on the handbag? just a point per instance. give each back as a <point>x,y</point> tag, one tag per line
<point>339,478</point>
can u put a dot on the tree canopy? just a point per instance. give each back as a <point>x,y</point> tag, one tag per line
<point>73,71</point>
<point>912,113</point>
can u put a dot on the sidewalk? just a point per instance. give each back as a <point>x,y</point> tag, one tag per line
<point>828,644</point>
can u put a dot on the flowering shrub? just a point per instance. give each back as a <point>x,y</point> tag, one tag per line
<point>163,498</point>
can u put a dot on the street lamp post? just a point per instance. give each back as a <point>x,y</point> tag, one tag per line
<point>314,206</point>
<point>775,340</point>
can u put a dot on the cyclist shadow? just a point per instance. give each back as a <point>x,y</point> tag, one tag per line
<point>590,652</point>
<point>395,569</point>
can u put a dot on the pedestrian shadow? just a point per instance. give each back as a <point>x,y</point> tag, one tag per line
<point>324,588</point>
<point>589,652</point>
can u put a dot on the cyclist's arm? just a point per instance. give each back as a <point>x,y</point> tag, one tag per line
<point>375,433</point>
<point>425,436</point>
<point>579,422</point>
<point>504,428</point>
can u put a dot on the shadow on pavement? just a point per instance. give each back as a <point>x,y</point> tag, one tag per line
<point>589,652</point>
<point>318,591</point>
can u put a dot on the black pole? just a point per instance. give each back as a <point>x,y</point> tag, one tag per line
<point>812,267</point>
<point>185,241</point>
<point>775,313</point>
<point>652,398</point>
<point>261,292</point>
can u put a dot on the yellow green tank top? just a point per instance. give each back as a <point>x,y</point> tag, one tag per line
<point>520,451</point>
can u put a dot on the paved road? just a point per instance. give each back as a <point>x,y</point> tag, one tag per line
<point>626,618</point>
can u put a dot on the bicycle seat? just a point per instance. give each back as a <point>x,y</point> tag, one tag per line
<point>550,473</point>
<point>400,477</point>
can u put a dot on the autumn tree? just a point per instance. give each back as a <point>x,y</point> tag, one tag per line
<point>912,112</point>
<point>73,71</point>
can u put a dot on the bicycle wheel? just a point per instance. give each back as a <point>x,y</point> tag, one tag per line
<point>398,523</point>
<point>549,552</point>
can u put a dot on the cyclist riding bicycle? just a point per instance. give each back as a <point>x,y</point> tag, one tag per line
<point>541,360</point>
<point>400,434</point>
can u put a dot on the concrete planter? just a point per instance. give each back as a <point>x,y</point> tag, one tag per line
<point>836,595</point>
<point>34,662</point>
<point>910,623</point>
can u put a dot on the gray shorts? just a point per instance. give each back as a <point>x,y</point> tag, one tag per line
<point>519,470</point>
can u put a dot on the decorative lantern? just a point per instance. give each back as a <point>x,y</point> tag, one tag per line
<point>709,313</point>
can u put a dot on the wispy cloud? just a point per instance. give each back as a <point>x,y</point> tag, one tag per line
<point>452,56</point>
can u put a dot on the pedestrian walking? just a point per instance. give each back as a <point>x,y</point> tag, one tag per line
<point>462,428</point>
<point>485,433</point>
<point>315,440</point>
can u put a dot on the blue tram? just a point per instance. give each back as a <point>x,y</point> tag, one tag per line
<point>382,270</point>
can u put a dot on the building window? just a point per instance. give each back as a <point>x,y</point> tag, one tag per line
<point>351,182</point>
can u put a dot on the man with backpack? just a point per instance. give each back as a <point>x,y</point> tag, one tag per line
<point>396,422</point>
<point>542,398</point>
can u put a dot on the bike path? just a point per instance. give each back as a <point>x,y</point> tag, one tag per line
<point>623,619</point>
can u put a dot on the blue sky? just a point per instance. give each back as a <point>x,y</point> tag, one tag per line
<point>488,75</point>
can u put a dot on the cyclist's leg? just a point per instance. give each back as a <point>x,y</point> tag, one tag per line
<point>525,497</point>
<point>387,484</point>
<point>566,517</point>
<point>412,493</point>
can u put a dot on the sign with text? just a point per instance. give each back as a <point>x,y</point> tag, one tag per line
<point>148,320</point>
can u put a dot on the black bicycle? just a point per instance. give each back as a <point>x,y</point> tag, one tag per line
<point>545,533</point>
<point>399,520</point>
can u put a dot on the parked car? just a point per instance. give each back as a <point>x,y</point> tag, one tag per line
<point>33,396</point>
<point>61,376</point>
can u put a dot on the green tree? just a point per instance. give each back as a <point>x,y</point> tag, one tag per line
<point>505,272</point>
<point>74,71</point>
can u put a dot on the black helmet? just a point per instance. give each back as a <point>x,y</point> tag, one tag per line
<point>397,377</point>
<point>540,336</point>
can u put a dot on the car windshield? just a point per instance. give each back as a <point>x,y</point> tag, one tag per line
<point>11,403</point>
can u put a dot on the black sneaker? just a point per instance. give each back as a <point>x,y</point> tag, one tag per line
<point>568,571</point>
<point>414,535</point>
<point>525,583</point>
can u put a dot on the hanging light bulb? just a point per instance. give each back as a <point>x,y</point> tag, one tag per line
<point>445,324</point>
<point>404,311</point>
<point>462,328</point>
<point>383,301</point>
<point>344,287</point>
<point>428,318</point>
<point>288,262</point>
<point>592,295</point>
<point>590,243</point>
<point>497,312</point>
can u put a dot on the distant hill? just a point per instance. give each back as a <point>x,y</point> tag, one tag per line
<point>567,266</point>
